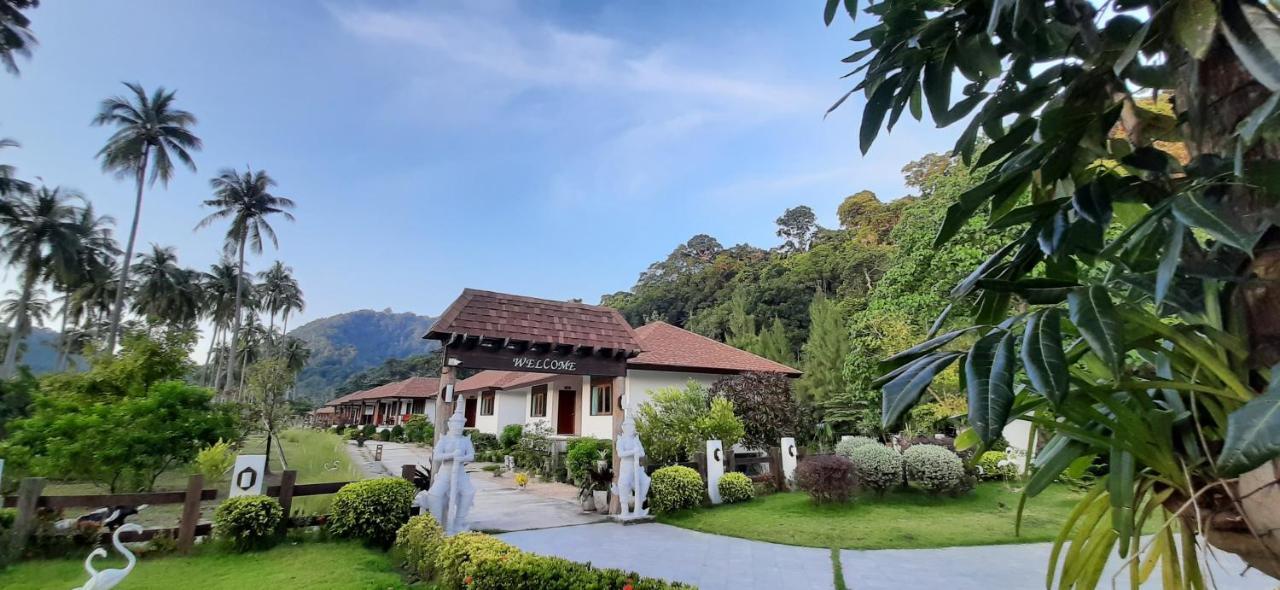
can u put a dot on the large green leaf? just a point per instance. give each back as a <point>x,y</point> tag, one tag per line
<point>1253,432</point>
<point>923,348</point>
<point>902,393</point>
<point>1169,260</point>
<point>1194,24</point>
<point>1043,356</point>
<point>873,114</point>
<point>1253,31</point>
<point>829,13</point>
<point>1199,211</point>
<point>1052,460</point>
<point>989,379</point>
<point>1095,316</point>
<point>1017,135</point>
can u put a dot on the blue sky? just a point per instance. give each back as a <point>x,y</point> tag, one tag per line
<point>549,149</point>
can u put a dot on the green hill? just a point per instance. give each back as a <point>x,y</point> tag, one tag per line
<point>346,344</point>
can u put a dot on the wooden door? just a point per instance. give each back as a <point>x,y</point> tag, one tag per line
<point>567,412</point>
<point>469,412</point>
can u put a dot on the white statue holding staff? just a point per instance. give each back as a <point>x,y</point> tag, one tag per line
<point>633,483</point>
<point>451,492</point>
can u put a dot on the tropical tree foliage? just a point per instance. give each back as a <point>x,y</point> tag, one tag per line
<point>15,33</point>
<point>1130,312</point>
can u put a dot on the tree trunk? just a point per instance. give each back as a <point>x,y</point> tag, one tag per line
<point>118,306</point>
<point>235,332</point>
<point>63,345</point>
<point>1213,97</point>
<point>20,322</point>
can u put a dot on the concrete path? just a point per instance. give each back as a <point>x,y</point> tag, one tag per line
<point>711,562</point>
<point>498,507</point>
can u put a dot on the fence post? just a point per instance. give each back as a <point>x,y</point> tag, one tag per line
<point>287,481</point>
<point>28,501</point>
<point>775,469</point>
<point>190,513</point>
<point>407,472</point>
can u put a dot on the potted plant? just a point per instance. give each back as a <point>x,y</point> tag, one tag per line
<point>600,478</point>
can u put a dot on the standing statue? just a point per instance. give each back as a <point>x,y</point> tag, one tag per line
<point>451,493</point>
<point>633,483</point>
<point>110,578</point>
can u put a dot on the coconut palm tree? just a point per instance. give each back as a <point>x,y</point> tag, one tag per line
<point>150,133</point>
<point>36,307</point>
<point>95,261</point>
<point>166,292</point>
<point>219,286</point>
<point>9,184</point>
<point>246,200</point>
<point>279,290</point>
<point>15,38</point>
<point>38,236</point>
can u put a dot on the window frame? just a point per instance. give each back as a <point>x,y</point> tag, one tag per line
<point>601,389</point>
<point>536,394</point>
<point>487,398</point>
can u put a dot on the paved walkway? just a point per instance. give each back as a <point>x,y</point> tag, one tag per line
<point>499,507</point>
<point>714,562</point>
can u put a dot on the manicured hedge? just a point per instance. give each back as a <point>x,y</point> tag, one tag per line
<point>248,522</point>
<point>827,478</point>
<point>475,561</point>
<point>877,467</point>
<point>934,468</point>
<point>372,510</point>
<point>674,488</point>
<point>736,487</point>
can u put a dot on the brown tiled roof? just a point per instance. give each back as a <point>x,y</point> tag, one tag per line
<point>498,315</point>
<point>501,380</point>
<point>343,399</point>
<point>413,387</point>
<point>668,347</point>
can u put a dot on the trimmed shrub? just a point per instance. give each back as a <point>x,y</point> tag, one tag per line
<point>877,467</point>
<point>933,468</point>
<point>372,510</point>
<point>483,441</point>
<point>248,522</point>
<point>214,461</point>
<point>397,433</point>
<point>736,487</point>
<point>827,478</point>
<point>510,436</point>
<point>417,544</point>
<point>989,466</point>
<point>419,429</point>
<point>674,488</point>
<point>458,556</point>
<point>369,430</point>
<point>582,455</point>
<point>845,447</point>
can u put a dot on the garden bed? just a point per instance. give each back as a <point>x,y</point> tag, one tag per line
<point>906,519</point>
<point>311,565</point>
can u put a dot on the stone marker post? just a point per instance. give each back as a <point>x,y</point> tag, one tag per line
<point>788,449</point>
<point>715,470</point>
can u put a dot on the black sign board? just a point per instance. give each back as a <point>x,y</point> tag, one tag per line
<point>540,362</point>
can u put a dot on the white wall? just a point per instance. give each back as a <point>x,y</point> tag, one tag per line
<point>511,408</point>
<point>593,426</point>
<point>484,423</point>
<point>640,384</point>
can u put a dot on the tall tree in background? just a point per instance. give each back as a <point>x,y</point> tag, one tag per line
<point>1154,343</point>
<point>246,200</point>
<point>797,227</point>
<point>15,35</point>
<point>742,325</point>
<point>280,292</point>
<point>824,353</point>
<point>165,291</point>
<point>97,249</point>
<point>270,381</point>
<point>8,183</point>
<point>775,345</point>
<point>40,239</point>
<point>150,132</point>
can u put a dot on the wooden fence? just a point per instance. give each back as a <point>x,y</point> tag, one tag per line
<point>30,500</point>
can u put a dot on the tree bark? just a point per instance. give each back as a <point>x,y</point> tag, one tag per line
<point>20,321</point>
<point>63,345</point>
<point>235,332</point>
<point>118,306</point>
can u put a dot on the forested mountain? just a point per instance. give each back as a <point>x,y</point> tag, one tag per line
<point>346,344</point>
<point>391,370</point>
<point>884,282</point>
<point>40,351</point>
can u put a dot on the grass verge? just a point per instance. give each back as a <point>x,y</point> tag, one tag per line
<point>908,519</point>
<point>312,565</point>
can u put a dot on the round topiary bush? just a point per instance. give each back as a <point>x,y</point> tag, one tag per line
<point>248,522</point>
<point>459,555</point>
<point>989,467</point>
<point>372,510</point>
<point>417,544</point>
<point>736,487</point>
<point>827,478</point>
<point>674,488</point>
<point>877,467</point>
<point>933,468</point>
<point>845,447</point>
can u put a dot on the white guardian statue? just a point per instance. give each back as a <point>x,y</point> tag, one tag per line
<point>451,493</point>
<point>633,483</point>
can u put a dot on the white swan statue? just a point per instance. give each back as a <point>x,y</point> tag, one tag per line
<point>110,578</point>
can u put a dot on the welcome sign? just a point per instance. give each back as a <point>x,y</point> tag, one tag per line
<point>548,362</point>
<point>525,363</point>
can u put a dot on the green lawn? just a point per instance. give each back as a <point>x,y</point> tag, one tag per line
<point>313,566</point>
<point>904,520</point>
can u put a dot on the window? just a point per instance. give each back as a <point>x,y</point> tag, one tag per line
<point>538,402</point>
<point>601,396</point>
<point>486,403</point>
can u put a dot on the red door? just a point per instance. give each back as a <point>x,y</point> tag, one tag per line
<point>470,412</point>
<point>567,412</point>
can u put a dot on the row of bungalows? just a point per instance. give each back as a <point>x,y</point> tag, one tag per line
<point>566,405</point>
